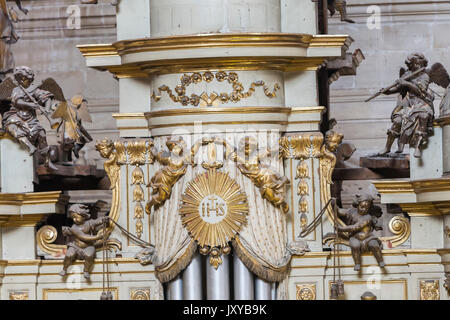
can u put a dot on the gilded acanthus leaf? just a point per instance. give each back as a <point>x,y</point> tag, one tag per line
<point>301,146</point>
<point>137,151</point>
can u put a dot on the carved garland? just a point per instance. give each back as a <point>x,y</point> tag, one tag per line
<point>214,98</point>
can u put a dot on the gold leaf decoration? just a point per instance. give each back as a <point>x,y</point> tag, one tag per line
<point>302,189</point>
<point>137,176</point>
<point>303,220</point>
<point>302,170</point>
<point>285,150</point>
<point>316,145</point>
<point>213,209</point>
<point>301,146</point>
<point>139,228</point>
<point>213,99</point>
<point>303,205</point>
<point>138,211</point>
<point>401,228</point>
<point>120,151</point>
<point>137,152</point>
<point>138,193</point>
<point>429,290</point>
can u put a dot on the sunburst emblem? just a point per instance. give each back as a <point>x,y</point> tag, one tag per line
<point>213,209</point>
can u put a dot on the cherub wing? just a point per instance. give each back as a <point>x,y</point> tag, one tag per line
<point>402,72</point>
<point>6,89</point>
<point>83,112</point>
<point>52,86</point>
<point>439,75</point>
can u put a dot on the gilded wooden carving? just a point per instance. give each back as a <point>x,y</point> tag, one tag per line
<point>429,290</point>
<point>212,99</point>
<point>306,291</point>
<point>213,209</point>
<point>140,294</point>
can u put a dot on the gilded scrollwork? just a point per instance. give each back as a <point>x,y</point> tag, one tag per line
<point>45,238</point>
<point>212,99</point>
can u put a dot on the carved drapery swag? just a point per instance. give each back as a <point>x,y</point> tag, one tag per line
<point>261,243</point>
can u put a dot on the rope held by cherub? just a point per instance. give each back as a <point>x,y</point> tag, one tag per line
<point>313,225</point>
<point>140,242</point>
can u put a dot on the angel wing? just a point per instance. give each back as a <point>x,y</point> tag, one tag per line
<point>439,75</point>
<point>81,105</point>
<point>6,89</point>
<point>402,72</point>
<point>52,86</point>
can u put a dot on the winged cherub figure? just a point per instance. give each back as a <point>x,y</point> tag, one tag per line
<point>412,118</point>
<point>361,221</point>
<point>270,183</point>
<point>175,164</point>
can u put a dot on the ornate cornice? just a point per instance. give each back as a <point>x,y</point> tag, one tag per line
<point>177,54</point>
<point>408,186</point>
<point>419,197</point>
<point>27,209</point>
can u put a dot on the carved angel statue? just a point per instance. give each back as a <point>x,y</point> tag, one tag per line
<point>8,35</point>
<point>270,183</point>
<point>412,118</point>
<point>20,101</point>
<point>341,6</point>
<point>85,237</point>
<point>361,221</point>
<point>175,164</point>
<point>74,136</point>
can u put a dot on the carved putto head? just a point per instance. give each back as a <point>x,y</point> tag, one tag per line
<point>176,147</point>
<point>333,140</point>
<point>415,61</point>
<point>24,75</point>
<point>79,212</point>
<point>105,147</point>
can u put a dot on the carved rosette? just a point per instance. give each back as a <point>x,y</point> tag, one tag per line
<point>140,294</point>
<point>213,99</point>
<point>429,290</point>
<point>306,291</point>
